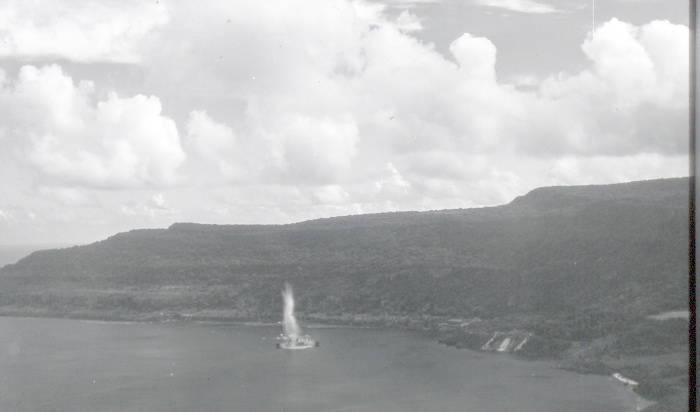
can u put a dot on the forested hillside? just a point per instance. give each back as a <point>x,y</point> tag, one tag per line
<point>619,248</point>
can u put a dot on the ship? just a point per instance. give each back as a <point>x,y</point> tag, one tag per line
<point>296,342</point>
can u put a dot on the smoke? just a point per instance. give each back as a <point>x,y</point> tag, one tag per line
<point>290,326</point>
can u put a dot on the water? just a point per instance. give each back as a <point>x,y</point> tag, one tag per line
<point>70,365</point>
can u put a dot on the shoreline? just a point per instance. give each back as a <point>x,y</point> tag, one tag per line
<point>311,321</point>
<point>167,318</point>
<point>641,402</point>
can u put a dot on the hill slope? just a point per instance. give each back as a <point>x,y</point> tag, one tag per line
<point>619,248</point>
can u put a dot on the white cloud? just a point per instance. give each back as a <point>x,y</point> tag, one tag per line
<point>207,137</point>
<point>212,142</point>
<point>331,194</point>
<point>622,63</point>
<point>291,148</point>
<point>632,65</point>
<point>81,30</point>
<point>59,128</point>
<point>667,48</point>
<point>313,149</point>
<point>571,170</point>
<point>521,6</point>
<point>6,215</point>
<point>476,57</point>
<point>153,208</point>
<point>634,98</point>
<point>158,200</point>
<point>392,185</point>
<point>327,107</point>
<point>408,22</point>
<point>336,119</point>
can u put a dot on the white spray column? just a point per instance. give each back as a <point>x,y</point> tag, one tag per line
<point>289,323</point>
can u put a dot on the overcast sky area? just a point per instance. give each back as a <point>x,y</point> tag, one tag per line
<point>123,114</point>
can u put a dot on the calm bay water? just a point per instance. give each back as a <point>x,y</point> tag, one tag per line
<point>71,365</point>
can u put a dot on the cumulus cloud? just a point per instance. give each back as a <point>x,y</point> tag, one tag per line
<point>158,200</point>
<point>59,128</point>
<point>207,137</point>
<point>292,148</point>
<point>331,194</point>
<point>633,99</point>
<point>6,215</point>
<point>82,30</point>
<point>212,142</point>
<point>392,185</point>
<point>299,110</point>
<point>640,64</point>
<point>358,93</point>
<point>408,22</point>
<point>314,150</point>
<point>151,208</point>
<point>476,57</point>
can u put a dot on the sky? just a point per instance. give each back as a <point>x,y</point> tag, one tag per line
<point>124,114</point>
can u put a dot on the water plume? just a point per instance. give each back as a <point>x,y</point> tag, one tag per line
<point>290,326</point>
